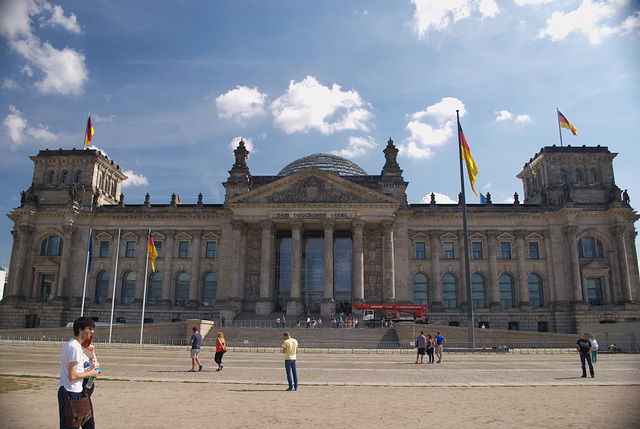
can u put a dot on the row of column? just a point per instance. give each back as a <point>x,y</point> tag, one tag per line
<point>295,305</point>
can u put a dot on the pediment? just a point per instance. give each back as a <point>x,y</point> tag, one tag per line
<point>183,236</point>
<point>312,186</point>
<point>104,236</point>
<point>534,236</point>
<point>211,236</point>
<point>420,236</point>
<point>477,236</point>
<point>158,236</point>
<point>46,265</point>
<point>448,236</point>
<point>506,236</point>
<point>595,267</point>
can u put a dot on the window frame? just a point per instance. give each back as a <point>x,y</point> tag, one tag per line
<point>210,253</point>
<point>505,253</point>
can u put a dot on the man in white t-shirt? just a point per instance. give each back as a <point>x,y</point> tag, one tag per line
<point>290,348</point>
<point>72,370</point>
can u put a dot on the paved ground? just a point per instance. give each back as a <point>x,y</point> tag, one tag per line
<point>367,369</point>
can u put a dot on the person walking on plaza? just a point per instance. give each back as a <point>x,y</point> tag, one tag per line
<point>290,348</point>
<point>440,340</point>
<point>73,371</point>
<point>195,343</point>
<point>421,345</point>
<point>584,348</point>
<point>221,348</point>
<point>594,349</point>
<point>430,344</point>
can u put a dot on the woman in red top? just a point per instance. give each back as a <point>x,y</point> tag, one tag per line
<point>221,348</point>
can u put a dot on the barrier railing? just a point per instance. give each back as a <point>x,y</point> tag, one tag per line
<point>320,346</point>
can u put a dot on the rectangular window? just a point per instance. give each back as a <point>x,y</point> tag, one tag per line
<point>183,249</point>
<point>534,252</point>
<point>211,249</point>
<point>477,250</point>
<point>104,249</point>
<point>447,246</point>
<point>505,250</point>
<point>158,245</point>
<point>421,252</point>
<point>130,249</point>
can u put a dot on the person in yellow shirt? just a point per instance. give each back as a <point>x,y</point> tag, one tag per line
<point>290,348</point>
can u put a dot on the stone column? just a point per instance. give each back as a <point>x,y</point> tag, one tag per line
<point>523,281</point>
<point>167,275</point>
<point>389,286</point>
<point>195,283</point>
<point>435,292</point>
<point>263,306</point>
<point>618,232</point>
<point>16,286</point>
<point>237,227</point>
<point>632,264</point>
<point>294,305</point>
<point>328,304</point>
<point>64,290</point>
<point>570,238</point>
<point>494,282</point>
<point>358,261</point>
<point>462,286</point>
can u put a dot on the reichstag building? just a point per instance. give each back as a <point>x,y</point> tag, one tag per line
<point>324,232</point>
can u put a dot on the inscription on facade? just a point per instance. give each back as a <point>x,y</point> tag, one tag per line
<point>311,215</point>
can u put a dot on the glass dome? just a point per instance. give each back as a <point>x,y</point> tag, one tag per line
<point>326,162</point>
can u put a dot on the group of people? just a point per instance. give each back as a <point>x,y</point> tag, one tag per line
<point>429,346</point>
<point>196,344</point>
<point>587,347</point>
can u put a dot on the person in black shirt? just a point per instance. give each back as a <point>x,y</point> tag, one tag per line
<point>584,348</point>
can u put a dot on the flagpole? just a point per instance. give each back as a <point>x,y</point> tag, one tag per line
<point>467,265</point>
<point>115,279</point>
<point>144,293</point>
<point>559,129</point>
<point>86,271</point>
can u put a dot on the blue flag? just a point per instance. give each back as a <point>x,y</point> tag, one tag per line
<point>90,253</point>
<point>483,199</point>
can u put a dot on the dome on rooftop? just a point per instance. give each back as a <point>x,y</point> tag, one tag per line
<point>326,162</point>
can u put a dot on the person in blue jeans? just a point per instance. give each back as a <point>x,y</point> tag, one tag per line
<point>290,348</point>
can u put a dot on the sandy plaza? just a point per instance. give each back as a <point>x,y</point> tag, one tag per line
<point>151,388</point>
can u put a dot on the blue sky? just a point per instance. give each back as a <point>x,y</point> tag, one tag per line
<point>173,85</point>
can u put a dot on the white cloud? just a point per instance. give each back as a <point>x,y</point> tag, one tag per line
<point>433,126</point>
<point>596,19</point>
<point>64,70</point>
<point>134,179</point>
<point>440,199</point>
<point>358,146</point>
<point>9,84</point>
<point>241,103</point>
<point>309,105</point>
<point>17,126</point>
<point>503,115</point>
<point>57,18</point>
<point>439,15</point>
<point>248,143</point>
<point>528,2</point>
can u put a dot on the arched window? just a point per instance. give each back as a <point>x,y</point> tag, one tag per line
<point>209,289</point>
<point>449,291</point>
<point>507,291</point>
<point>590,247</point>
<point>128,289</point>
<point>102,287</point>
<point>563,176</point>
<point>420,289</point>
<point>478,291</point>
<point>154,294</point>
<point>593,175</point>
<point>51,246</point>
<point>65,177</point>
<point>578,175</point>
<point>182,288</point>
<point>51,177</point>
<point>78,178</point>
<point>536,295</point>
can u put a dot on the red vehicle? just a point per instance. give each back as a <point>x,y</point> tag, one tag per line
<point>394,312</point>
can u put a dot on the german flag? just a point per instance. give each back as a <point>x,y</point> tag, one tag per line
<point>89,133</point>
<point>564,123</point>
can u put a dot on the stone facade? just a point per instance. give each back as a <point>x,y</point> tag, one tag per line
<point>310,238</point>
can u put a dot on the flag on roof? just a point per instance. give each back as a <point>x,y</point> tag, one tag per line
<point>483,199</point>
<point>89,133</point>
<point>472,168</point>
<point>153,253</point>
<point>564,123</point>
